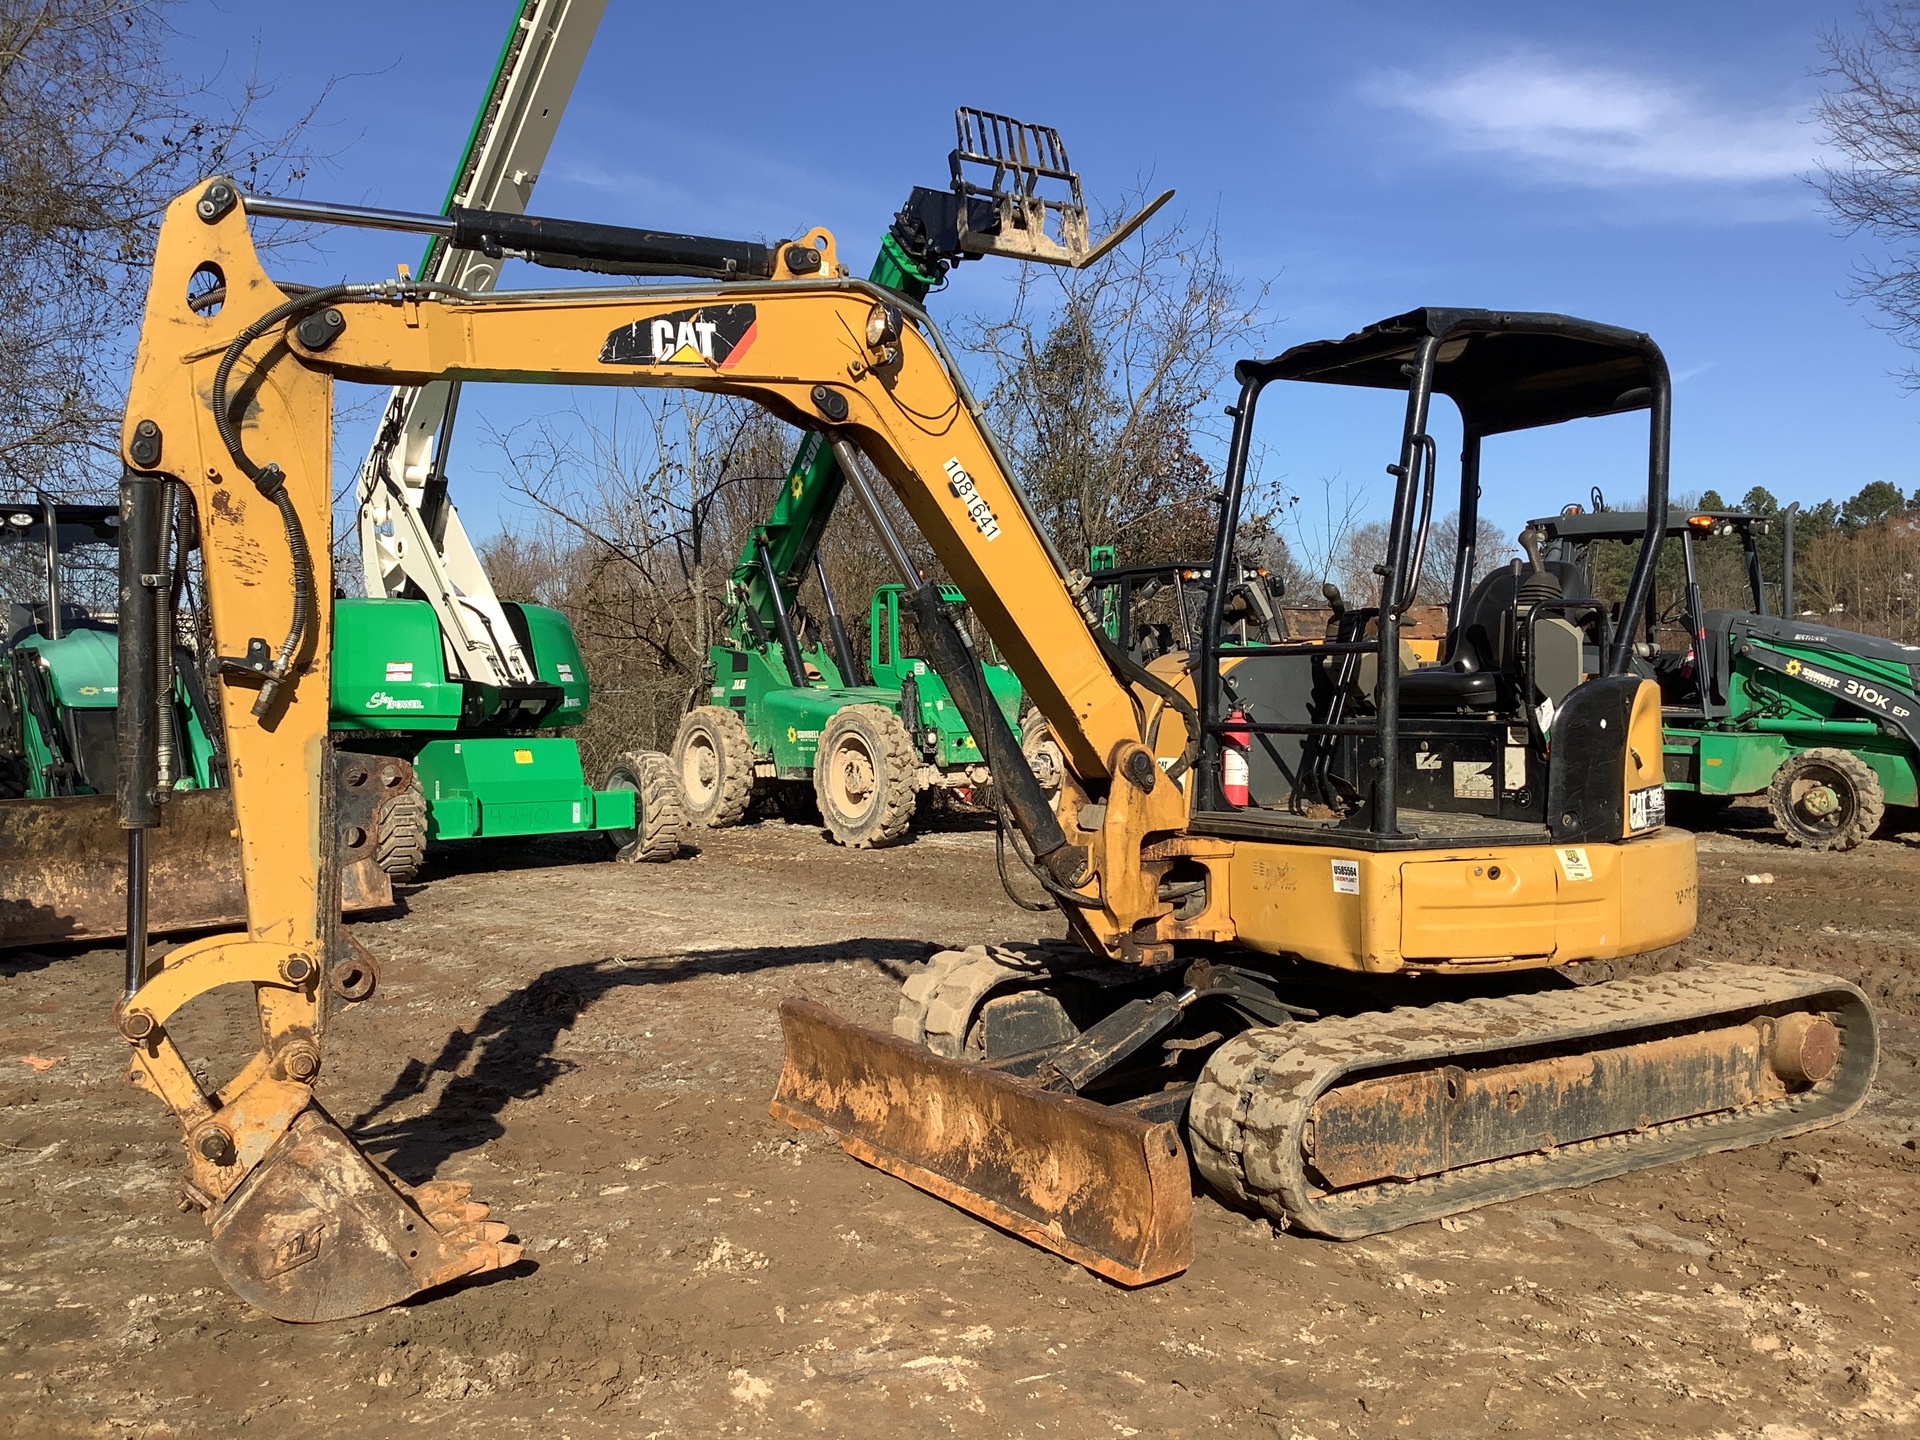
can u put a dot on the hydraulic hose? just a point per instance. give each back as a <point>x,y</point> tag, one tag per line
<point>269,479</point>
<point>1133,670</point>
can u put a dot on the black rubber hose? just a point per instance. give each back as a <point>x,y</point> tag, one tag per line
<point>1133,670</point>
<point>271,481</point>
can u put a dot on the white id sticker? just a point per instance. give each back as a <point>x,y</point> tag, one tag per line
<point>1516,767</point>
<point>1573,863</point>
<point>1346,877</point>
<point>398,671</point>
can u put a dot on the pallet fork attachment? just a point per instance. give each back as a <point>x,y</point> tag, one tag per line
<point>1024,163</point>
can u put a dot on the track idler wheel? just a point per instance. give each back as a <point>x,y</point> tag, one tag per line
<point>317,1231</point>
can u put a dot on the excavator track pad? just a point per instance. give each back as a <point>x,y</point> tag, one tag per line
<point>317,1231</point>
<point>1104,1188</point>
<point>1354,1125</point>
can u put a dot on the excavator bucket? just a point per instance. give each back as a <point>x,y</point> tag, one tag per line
<point>1107,1189</point>
<point>317,1231</point>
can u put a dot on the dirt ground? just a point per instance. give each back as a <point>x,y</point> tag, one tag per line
<point>593,1047</point>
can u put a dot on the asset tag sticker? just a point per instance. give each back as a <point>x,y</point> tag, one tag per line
<point>399,670</point>
<point>1473,780</point>
<point>1573,862</point>
<point>1346,877</point>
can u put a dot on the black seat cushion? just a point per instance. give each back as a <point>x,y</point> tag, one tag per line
<point>1441,687</point>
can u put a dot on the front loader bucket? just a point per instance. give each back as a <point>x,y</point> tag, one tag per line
<point>63,870</point>
<point>317,1232</point>
<point>1104,1188</point>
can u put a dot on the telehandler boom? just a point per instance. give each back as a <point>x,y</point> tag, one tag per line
<point>1157,876</point>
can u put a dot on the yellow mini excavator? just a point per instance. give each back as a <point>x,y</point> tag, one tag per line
<point>1324,969</point>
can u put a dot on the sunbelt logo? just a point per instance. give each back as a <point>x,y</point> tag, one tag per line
<point>380,700</point>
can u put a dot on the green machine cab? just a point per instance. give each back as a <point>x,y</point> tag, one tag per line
<point>487,756</point>
<point>1824,722</point>
<point>60,662</point>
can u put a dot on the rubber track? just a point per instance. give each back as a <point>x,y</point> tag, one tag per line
<point>1258,1090</point>
<point>939,1001</point>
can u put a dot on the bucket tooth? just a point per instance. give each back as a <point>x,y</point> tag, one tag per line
<point>1106,1189</point>
<point>317,1231</point>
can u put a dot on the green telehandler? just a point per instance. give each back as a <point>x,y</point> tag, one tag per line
<point>1824,722</point>
<point>782,709</point>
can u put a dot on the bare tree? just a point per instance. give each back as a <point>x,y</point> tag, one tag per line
<point>97,133</point>
<point>1102,383</point>
<point>644,509</point>
<point>1870,114</point>
<point>1319,533</point>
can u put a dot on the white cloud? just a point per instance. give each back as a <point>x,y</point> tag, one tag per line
<point>1589,125</point>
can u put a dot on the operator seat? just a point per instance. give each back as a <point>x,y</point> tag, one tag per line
<point>1469,679</point>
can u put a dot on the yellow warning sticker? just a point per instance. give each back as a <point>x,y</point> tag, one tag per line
<point>523,757</point>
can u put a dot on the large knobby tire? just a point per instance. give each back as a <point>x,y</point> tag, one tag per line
<point>713,759</point>
<point>400,843</point>
<point>659,813</point>
<point>1826,799</point>
<point>863,776</point>
<point>1044,755</point>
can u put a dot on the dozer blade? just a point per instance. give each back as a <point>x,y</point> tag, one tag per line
<point>318,1232</point>
<point>1106,1189</point>
<point>63,870</point>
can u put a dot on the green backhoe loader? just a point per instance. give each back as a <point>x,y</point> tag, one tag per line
<point>1823,722</point>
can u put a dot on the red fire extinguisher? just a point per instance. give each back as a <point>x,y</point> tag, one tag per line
<point>1234,743</point>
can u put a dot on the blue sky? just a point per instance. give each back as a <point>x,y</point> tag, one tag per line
<point>1634,163</point>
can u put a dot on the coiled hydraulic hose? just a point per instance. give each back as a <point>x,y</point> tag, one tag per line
<point>269,479</point>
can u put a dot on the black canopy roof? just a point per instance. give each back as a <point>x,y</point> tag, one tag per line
<point>1632,524</point>
<point>79,525</point>
<point>1506,370</point>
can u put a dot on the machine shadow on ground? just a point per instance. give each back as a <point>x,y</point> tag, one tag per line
<point>507,1054</point>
